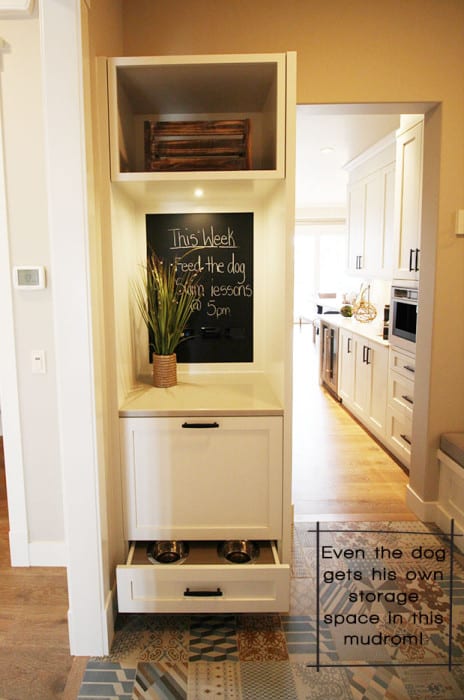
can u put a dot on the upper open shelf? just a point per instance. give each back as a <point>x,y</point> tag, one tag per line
<point>231,88</point>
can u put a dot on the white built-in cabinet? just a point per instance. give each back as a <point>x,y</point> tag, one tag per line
<point>363,373</point>
<point>408,201</point>
<point>192,477</point>
<point>371,211</point>
<point>208,460</point>
<point>400,404</point>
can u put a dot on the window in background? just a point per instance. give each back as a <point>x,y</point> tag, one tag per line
<point>320,264</point>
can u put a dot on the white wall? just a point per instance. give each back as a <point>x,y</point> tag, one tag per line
<point>28,244</point>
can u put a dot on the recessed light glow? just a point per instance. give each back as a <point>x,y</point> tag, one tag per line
<point>327,149</point>
<point>198,192</point>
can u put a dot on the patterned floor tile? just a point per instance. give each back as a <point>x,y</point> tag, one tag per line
<point>303,596</point>
<point>376,684</point>
<point>107,680</point>
<point>300,635</point>
<point>208,681</point>
<point>261,638</point>
<point>269,680</point>
<point>213,638</point>
<point>430,684</point>
<point>325,684</point>
<point>168,640</point>
<point>160,681</point>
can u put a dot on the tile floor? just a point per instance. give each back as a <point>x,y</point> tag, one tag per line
<point>295,657</point>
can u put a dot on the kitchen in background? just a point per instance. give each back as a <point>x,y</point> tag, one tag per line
<point>357,251</point>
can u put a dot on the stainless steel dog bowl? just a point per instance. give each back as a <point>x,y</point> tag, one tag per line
<point>239,551</point>
<point>167,552</point>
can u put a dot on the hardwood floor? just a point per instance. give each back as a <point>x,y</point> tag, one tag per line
<point>34,650</point>
<point>339,471</point>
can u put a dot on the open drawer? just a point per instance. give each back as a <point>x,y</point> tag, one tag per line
<point>204,582</point>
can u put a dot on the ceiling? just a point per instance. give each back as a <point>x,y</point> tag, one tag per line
<point>320,178</point>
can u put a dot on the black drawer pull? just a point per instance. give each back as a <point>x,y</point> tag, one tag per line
<point>409,368</point>
<point>203,594</point>
<point>200,425</point>
<point>407,398</point>
<point>406,438</point>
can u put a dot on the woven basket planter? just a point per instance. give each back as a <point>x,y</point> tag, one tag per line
<point>164,370</point>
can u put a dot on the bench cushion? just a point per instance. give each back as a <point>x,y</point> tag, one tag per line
<point>453,445</point>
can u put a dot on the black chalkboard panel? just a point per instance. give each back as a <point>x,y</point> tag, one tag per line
<point>221,246</point>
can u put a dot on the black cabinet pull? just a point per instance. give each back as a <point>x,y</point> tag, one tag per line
<point>348,345</point>
<point>405,438</point>
<point>368,356</point>
<point>203,594</point>
<point>407,398</point>
<point>409,368</point>
<point>411,253</point>
<point>200,425</point>
<point>416,266</point>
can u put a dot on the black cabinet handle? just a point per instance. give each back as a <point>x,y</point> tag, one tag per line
<point>411,253</point>
<point>348,345</point>
<point>200,425</point>
<point>368,356</point>
<point>407,398</point>
<point>405,438</point>
<point>416,266</point>
<point>203,594</point>
<point>409,368</point>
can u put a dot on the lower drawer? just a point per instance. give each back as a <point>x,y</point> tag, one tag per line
<point>399,428</point>
<point>262,586</point>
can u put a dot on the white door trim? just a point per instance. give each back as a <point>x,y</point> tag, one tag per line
<point>9,392</point>
<point>68,229</point>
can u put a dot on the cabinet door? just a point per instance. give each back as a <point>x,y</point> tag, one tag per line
<point>346,367</point>
<point>408,202</point>
<point>361,377</point>
<point>377,362</point>
<point>356,199</point>
<point>373,222</point>
<point>202,478</point>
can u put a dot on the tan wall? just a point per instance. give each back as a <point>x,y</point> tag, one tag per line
<point>355,52</point>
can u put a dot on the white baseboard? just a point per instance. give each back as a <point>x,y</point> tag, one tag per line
<point>425,510</point>
<point>47,554</point>
<point>19,548</point>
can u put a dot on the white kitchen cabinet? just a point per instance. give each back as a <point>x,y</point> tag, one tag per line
<point>371,212</point>
<point>363,380</point>
<point>400,404</point>
<point>346,359</point>
<point>408,202</point>
<point>202,477</point>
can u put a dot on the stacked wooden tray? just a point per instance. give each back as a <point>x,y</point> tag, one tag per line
<point>197,145</point>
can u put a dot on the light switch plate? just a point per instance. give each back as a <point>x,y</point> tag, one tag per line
<point>29,277</point>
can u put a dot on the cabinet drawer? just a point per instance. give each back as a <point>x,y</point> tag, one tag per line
<point>399,434</point>
<point>212,586</point>
<point>401,393</point>
<point>200,478</point>
<point>402,363</point>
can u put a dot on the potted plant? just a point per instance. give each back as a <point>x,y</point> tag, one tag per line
<point>164,298</point>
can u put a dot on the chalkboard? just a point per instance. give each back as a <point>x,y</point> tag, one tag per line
<point>221,247</point>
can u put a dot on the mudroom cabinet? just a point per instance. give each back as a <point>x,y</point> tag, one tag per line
<point>206,463</point>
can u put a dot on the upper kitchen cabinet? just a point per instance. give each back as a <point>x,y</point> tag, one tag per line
<point>371,211</point>
<point>197,117</point>
<point>408,200</point>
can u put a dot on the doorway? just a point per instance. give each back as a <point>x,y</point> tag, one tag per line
<point>339,470</point>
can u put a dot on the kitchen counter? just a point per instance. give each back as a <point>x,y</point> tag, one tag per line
<point>371,330</point>
<point>204,395</point>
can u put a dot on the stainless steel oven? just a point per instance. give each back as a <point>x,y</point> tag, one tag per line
<point>403,316</point>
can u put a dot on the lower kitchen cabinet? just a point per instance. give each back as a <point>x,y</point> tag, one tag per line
<point>190,477</point>
<point>203,582</point>
<point>363,373</point>
<point>400,404</point>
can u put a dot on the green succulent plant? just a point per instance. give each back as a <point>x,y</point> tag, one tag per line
<point>165,301</point>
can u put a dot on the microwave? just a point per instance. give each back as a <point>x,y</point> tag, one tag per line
<point>403,316</point>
